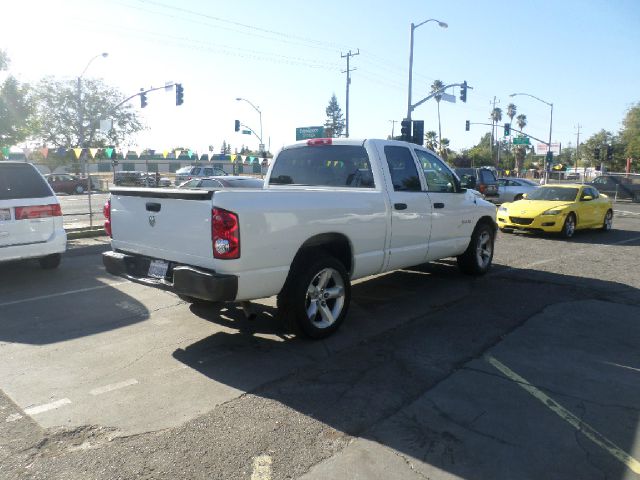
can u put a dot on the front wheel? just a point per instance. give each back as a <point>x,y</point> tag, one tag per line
<point>477,258</point>
<point>569,227</point>
<point>607,223</point>
<point>316,297</point>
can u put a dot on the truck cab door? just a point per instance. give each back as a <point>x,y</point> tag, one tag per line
<point>410,208</point>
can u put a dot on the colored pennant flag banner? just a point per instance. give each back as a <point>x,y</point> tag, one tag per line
<point>165,153</point>
<point>5,152</point>
<point>92,152</point>
<point>177,153</point>
<point>109,152</point>
<point>78,152</point>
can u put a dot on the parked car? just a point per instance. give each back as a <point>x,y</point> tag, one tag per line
<point>228,181</point>
<point>199,171</point>
<point>512,189</point>
<point>331,211</point>
<point>30,216</point>
<point>66,183</point>
<point>135,178</point>
<point>558,208</point>
<point>480,179</point>
<point>618,186</point>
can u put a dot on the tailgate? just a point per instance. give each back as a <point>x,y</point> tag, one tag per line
<point>172,225</point>
<point>35,229</point>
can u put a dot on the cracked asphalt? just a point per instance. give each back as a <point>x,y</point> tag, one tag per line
<point>530,372</point>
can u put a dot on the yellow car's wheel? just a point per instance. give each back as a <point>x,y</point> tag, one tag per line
<point>569,227</point>
<point>607,223</point>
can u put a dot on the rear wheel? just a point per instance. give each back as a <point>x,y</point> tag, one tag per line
<point>607,223</point>
<point>316,297</point>
<point>50,261</point>
<point>569,227</point>
<point>476,260</point>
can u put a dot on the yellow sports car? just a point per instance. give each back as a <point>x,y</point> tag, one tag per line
<point>558,208</point>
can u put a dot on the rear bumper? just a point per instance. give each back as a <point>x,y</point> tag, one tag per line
<point>57,243</point>
<point>180,279</point>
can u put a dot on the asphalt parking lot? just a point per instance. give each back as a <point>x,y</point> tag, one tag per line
<point>530,372</point>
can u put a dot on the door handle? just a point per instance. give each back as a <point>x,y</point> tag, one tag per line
<point>400,206</point>
<point>438,205</point>
<point>153,207</point>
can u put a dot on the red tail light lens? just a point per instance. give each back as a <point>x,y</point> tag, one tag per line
<point>319,141</point>
<point>106,211</point>
<point>482,187</point>
<point>38,211</point>
<point>225,234</point>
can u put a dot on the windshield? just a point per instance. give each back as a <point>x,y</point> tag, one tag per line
<point>554,194</point>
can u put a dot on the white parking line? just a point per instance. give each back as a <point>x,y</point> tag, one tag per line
<point>13,417</point>
<point>261,468</point>
<point>61,294</point>
<point>113,386</point>
<point>625,212</point>
<point>47,406</point>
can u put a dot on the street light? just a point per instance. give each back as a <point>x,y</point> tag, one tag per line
<point>81,132</point>
<point>413,27</point>
<point>546,173</point>
<point>259,113</point>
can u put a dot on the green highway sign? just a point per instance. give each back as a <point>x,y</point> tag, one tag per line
<point>521,141</point>
<point>246,132</point>
<point>305,133</point>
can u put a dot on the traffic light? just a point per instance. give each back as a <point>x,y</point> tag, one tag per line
<point>463,92</point>
<point>179,94</point>
<point>507,129</point>
<point>405,129</point>
<point>467,125</point>
<point>237,125</point>
<point>596,153</point>
<point>609,153</point>
<point>418,132</point>
<point>143,99</point>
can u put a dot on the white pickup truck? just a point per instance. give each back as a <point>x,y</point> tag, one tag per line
<point>331,211</point>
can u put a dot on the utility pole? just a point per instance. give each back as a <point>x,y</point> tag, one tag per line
<point>348,71</point>
<point>393,128</point>
<point>577,147</point>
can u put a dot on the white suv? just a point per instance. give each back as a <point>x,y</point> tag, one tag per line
<point>30,216</point>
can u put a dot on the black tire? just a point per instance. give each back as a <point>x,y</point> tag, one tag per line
<point>569,227</point>
<point>79,189</point>
<point>50,261</point>
<point>477,258</point>
<point>607,222</point>
<point>316,296</point>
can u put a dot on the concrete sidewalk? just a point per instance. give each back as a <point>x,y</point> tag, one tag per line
<point>558,398</point>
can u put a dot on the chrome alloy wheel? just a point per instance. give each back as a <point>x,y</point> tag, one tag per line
<point>569,226</point>
<point>325,298</point>
<point>608,221</point>
<point>484,249</point>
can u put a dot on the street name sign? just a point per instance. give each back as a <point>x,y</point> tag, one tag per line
<point>305,133</point>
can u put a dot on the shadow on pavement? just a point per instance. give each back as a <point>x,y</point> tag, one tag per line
<point>400,386</point>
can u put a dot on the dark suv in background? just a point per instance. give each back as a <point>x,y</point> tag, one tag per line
<point>480,179</point>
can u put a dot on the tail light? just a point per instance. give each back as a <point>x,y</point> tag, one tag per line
<point>319,141</point>
<point>225,234</point>
<point>106,211</point>
<point>482,187</point>
<point>38,211</point>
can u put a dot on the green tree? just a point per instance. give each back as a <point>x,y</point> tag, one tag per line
<point>444,151</point>
<point>16,108</point>
<point>630,134</point>
<point>334,125</point>
<point>521,152</point>
<point>480,154</point>
<point>436,86</point>
<point>57,113</point>
<point>431,140</point>
<point>511,111</point>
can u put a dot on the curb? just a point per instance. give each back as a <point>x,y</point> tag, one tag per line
<point>85,232</point>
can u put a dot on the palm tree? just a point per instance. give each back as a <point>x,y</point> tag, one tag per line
<point>511,111</point>
<point>431,140</point>
<point>520,153</point>
<point>496,117</point>
<point>444,148</point>
<point>436,86</point>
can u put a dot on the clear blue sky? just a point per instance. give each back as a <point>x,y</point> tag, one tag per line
<point>285,57</point>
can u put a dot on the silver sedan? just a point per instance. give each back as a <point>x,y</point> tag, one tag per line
<point>512,189</point>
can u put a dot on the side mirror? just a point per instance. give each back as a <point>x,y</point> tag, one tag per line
<point>586,198</point>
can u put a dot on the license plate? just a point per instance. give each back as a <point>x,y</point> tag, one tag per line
<point>5,214</point>
<point>158,268</point>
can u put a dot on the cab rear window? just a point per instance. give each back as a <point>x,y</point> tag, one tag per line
<point>22,181</point>
<point>328,165</point>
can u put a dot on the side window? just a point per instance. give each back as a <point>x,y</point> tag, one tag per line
<point>486,176</point>
<point>404,173</point>
<point>439,177</point>
<point>208,172</point>
<point>600,181</point>
<point>593,192</point>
